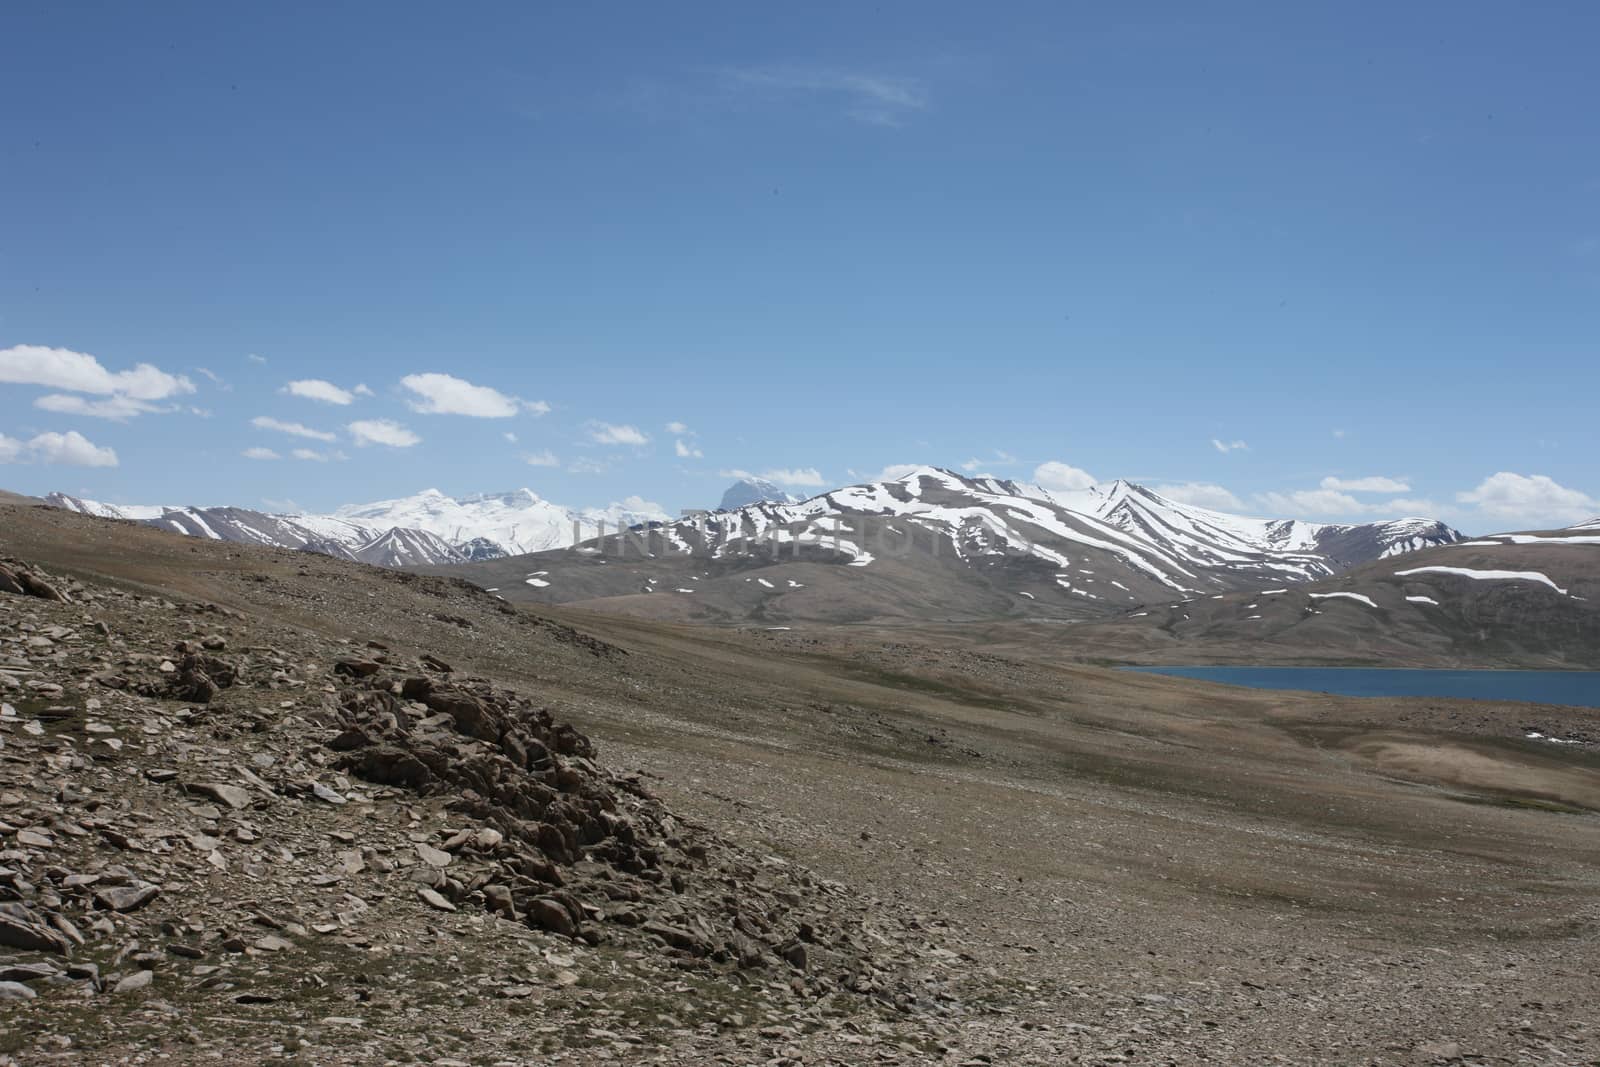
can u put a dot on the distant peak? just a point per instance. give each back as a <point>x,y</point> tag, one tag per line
<point>753,490</point>
<point>909,471</point>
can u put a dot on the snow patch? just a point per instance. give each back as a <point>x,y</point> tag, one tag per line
<point>1486,576</point>
<point>1346,596</point>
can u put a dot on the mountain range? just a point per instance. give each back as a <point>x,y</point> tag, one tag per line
<point>1139,577</point>
<point>428,528</point>
<point>1111,543</point>
<point>937,545</point>
<point>1114,573</point>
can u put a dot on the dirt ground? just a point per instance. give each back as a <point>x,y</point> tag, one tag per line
<point>1111,868</point>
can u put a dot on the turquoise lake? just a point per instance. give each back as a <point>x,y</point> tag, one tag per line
<point>1577,688</point>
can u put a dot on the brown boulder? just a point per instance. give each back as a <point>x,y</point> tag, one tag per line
<point>34,585</point>
<point>19,932</point>
<point>549,914</point>
<point>472,716</point>
<point>357,668</point>
<point>126,897</point>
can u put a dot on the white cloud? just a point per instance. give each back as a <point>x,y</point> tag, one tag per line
<point>586,465</point>
<point>260,453</point>
<point>72,449</point>
<point>510,437</point>
<point>253,358</point>
<point>321,391</point>
<point>876,99</point>
<point>536,408</point>
<point>972,464</point>
<point>76,372</point>
<point>113,407</point>
<point>127,393</point>
<point>69,449</point>
<point>546,458</point>
<point>362,390</point>
<point>1301,502</point>
<point>214,378</point>
<point>1329,502</point>
<point>1202,495</point>
<point>1062,476</point>
<point>313,456</point>
<point>801,476</point>
<point>1228,446</point>
<point>1529,500</point>
<point>607,434</point>
<point>796,476</point>
<point>895,471</point>
<point>382,432</point>
<point>684,446</point>
<point>295,429</point>
<point>643,506</point>
<point>1376,484</point>
<point>445,394</point>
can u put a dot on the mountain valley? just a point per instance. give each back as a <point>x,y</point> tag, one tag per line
<point>274,805</point>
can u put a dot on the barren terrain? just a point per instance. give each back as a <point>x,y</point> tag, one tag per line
<point>981,858</point>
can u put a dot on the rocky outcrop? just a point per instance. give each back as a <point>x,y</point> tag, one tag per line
<point>18,580</point>
<point>559,844</point>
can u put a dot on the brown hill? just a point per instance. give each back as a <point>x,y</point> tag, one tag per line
<point>1514,600</point>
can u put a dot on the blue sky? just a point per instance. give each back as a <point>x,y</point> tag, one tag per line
<point>1360,242</point>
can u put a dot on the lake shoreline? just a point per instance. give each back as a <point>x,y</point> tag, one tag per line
<point>1566,688</point>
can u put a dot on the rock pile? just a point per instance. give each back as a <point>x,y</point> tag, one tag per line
<point>552,840</point>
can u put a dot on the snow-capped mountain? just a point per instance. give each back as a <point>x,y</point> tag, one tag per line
<point>747,491</point>
<point>938,544</point>
<point>233,524</point>
<point>1180,546</point>
<point>426,529</point>
<point>518,522</point>
<point>953,537</point>
<point>1206,536</point>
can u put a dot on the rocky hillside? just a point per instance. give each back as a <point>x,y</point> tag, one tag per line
<point>227,833</point>
<point>1507,600</point>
